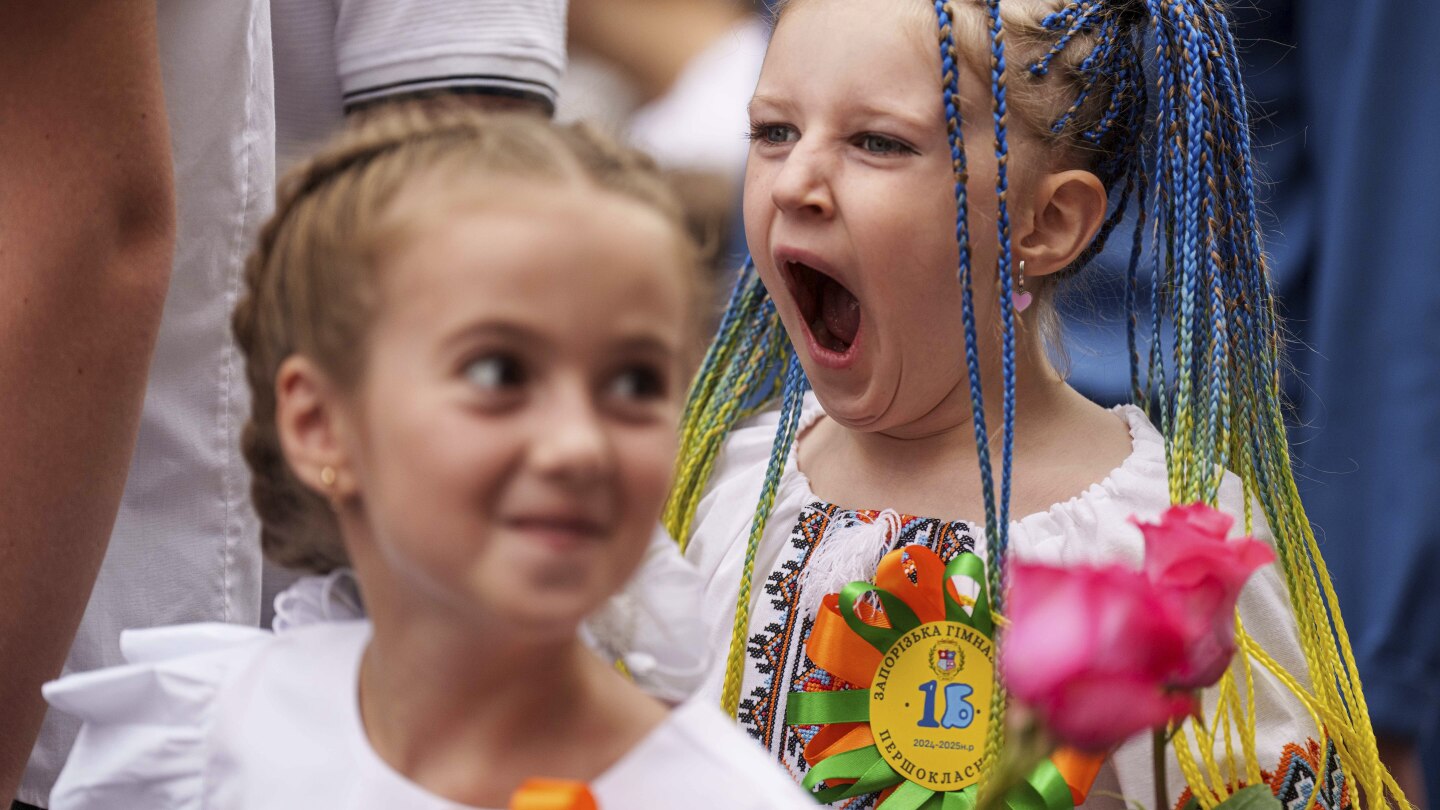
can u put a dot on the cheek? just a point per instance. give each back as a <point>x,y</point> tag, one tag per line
<point>757,207</point>
<point>645,461</point>
<point>435,471</point>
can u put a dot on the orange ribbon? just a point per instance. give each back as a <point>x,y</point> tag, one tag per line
<point>1079,770</point>
<point>926,595</point>
<point>552,794</point>
<point>837,650</point>
<point>837,738</point>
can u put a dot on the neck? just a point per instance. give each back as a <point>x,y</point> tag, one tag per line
<point>928,465</point>
<point>467,707</point>
<point>434,699</point>
<point>947,431</point>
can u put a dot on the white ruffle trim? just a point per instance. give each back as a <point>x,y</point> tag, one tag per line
<point>653,626</point>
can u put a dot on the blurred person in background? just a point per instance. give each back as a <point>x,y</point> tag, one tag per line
<point>106,254</point>
<point>1344,132</point>
<point>339,57</point>
<point>673,77</point>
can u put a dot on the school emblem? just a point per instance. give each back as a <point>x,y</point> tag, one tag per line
<point>947,659</point>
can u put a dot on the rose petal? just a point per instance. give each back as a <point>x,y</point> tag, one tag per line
<point>1099,714</point>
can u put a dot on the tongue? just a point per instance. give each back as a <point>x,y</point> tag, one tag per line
<point>841,312</point>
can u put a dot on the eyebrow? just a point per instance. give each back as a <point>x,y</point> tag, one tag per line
<point>633,344</point>
<point>772,101</point>
<point>646,344</point>
<point>492,329</point>
<point>860,109</point>
<point>871,111</point>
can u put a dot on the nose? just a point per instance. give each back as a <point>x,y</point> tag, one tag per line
<point>572,445</point>
<point>803,184</point>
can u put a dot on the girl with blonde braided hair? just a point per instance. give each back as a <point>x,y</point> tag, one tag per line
<point>465,339</point>
<point>858,394</point>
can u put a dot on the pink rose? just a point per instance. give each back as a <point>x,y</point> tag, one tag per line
<point>1090,650</point>
<point>1199,574</point>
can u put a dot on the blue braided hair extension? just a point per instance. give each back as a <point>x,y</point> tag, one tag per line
<point>1000,540</point>
<point>1178,143</point>
<point>951,95</point>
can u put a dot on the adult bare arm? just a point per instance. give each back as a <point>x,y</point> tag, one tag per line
<point>87,230</point>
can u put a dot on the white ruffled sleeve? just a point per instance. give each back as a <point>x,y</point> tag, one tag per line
<point>144,739</point>
<point>653,625</point>
<point>333,597</point>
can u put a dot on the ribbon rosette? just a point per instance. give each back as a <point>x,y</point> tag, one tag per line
<point>924,666</point>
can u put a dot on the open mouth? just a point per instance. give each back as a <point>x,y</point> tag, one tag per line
<point>831,312</point>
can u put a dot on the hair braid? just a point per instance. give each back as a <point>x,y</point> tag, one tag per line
<point>1194,186</point>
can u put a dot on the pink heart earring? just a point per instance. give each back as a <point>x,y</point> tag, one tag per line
<point>1019,298</point>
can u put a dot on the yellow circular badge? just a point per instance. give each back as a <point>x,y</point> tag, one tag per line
<point>929,704</point>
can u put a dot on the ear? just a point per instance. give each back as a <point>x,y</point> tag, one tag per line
<point>313,427</point>
<point>1069,209</point>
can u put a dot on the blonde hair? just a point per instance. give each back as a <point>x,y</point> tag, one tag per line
<point>310,284</point>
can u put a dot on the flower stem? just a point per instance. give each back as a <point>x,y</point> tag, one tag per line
<point>1162,800</point>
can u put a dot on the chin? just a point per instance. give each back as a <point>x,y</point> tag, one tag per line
<point>857,403</point>
<point>544,617</point>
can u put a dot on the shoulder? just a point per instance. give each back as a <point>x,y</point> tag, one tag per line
<point>151,727</point>
<point>698,758</point>
<point>145,723</point>
<point>1096,526</point>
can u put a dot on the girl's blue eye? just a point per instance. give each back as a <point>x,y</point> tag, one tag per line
<point>494,372</point>
<point>773,133</point>
<point>881,145</point>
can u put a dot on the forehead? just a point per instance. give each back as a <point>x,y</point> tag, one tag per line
<point>559,248</point>
<point>864,49</point>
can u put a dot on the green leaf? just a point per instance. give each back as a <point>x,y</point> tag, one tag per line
<point>1255,797</point>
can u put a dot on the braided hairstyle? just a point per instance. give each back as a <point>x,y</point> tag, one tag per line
<point>1147,95</point>
<point>311,282</point>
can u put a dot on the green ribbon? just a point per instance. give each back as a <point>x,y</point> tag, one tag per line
<point>1043,789</point>
<point>865,765</point>
<point>909,796</point>
<point>849,765</point>
<point>902,618</point>
<point>973,568</point>
<point>823,708</point>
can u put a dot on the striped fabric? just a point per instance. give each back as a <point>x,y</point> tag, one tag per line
<point>334,55</point>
